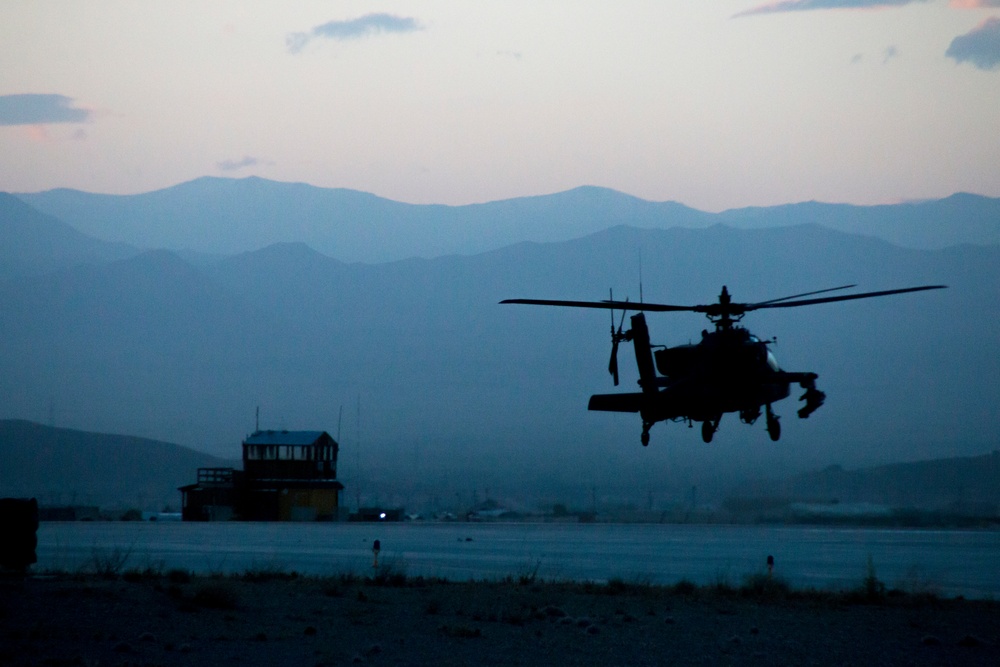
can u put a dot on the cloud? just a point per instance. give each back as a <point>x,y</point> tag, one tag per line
<point>981,46</point>
<point>236,165</point>
<point>973,4</point>
<point>364,26</point>
<point>806,5</point>
<point>39,110</point>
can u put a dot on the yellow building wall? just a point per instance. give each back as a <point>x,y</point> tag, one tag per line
<point>307,504</point>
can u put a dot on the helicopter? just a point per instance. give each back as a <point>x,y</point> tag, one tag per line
<point>728,370</point>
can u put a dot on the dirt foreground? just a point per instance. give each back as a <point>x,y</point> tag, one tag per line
<point>178,619</point>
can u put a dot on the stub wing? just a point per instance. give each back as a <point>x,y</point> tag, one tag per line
<point>617,402</point>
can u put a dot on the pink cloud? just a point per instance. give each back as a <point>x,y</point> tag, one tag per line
<point>36,133</point>
<point>973,4</point>
<point>808,5</point>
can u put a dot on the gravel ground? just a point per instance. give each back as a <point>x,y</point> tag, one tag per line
<point>176,619</point>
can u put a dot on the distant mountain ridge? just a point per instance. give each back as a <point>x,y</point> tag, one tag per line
<point>934,224</point>
<point>435,384</point>
<point>446,385</point>
<point>68,467</point>
<point>32,242</point>
<point>61,466</point>
<point>940,484</point>
<point>228,216</point>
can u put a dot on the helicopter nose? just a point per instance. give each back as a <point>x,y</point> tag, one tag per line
<point>772,362</point>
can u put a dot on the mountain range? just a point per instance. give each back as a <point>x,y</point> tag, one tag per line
<point>435,389</point>
<point>961,483</point>
<point>33,243</point>
<point>228,216</point>
<point>62,466</point>
<point>65,467</point>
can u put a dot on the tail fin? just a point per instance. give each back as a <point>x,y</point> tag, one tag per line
<point>643,354</point>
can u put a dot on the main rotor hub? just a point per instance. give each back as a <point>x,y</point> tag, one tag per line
<point>725,313</point>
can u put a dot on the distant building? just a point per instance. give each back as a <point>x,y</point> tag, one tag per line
<point>286,476</point>
<point>69,513</point>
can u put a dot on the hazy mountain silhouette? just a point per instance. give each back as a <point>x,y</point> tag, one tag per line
<point>66,467</point>
<point>137,338</point>
<point>435,387</point>
<point>960,218</point>
<point>956,483</point>
<point>33,243</point>
<point>227,216</point>
<point>219,215</point>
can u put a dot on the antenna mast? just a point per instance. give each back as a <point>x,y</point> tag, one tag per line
<point>357,457</point>
<point>640,275</point>
<point>340,419</point>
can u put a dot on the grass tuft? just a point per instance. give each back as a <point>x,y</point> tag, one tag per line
<point>270,571</point>
<point>684,587</point>
<point>391,573</point>
<point>872,588</point>
<point>108,563</point>
<point>179,576</point>
<point>529,575</point>
<point>764,586</point>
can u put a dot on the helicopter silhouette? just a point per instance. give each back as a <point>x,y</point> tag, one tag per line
<point>728,370</point>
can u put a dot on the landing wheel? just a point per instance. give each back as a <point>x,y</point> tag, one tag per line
<point>645,438</point>
<point>773,425</point>
<point>707,430</point>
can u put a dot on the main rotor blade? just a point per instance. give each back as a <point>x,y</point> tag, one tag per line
<point>798,296</point>
<point>718,309</point>
<point>605,305</point>
<point>847,297</point>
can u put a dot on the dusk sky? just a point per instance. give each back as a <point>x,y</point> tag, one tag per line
<point>713,103</point>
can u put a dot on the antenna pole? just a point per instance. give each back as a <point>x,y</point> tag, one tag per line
<point>357,436</point>
<point>256,427</point>
<point>340,419</point>
<point>640,275</point>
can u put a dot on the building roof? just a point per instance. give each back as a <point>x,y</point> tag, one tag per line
<point>285,437</point>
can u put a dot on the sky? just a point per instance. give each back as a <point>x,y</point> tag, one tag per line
<point>713,103</point>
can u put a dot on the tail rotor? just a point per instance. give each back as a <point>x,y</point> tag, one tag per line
<point>616,337</point>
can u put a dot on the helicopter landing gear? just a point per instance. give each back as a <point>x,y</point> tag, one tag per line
<point>773,425</point>
<point>645,434</point>
<point>708,429</point>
